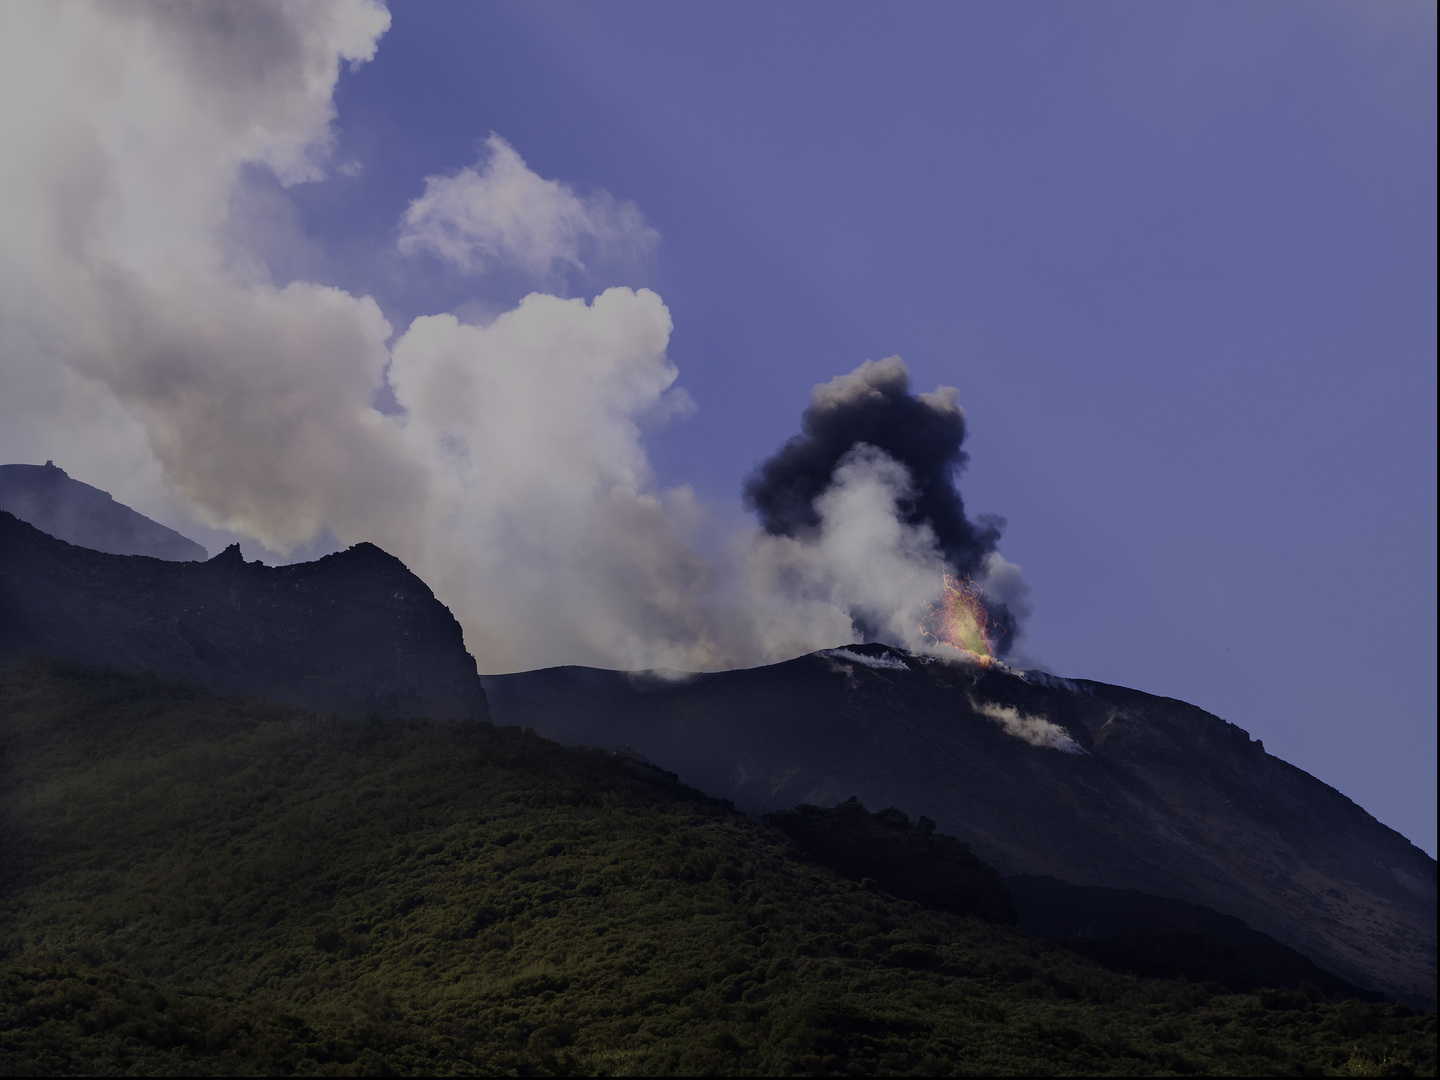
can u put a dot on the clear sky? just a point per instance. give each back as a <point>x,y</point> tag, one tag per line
<point>1178,259</point>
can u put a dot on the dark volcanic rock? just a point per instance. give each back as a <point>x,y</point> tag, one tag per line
<point>47,498</point>
<point>355,632</point>
<point>1124,790</point>
<point>913,862</point>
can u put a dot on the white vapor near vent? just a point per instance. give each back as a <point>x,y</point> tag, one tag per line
<point>863,560</point>
<point>1035,730</point>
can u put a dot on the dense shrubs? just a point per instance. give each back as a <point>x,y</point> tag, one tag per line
<point>200,885</point>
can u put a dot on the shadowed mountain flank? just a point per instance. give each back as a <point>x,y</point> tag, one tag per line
<point>355,632</point>
<point>46,497</point>
<point>913,862</point>
<point>1095,785</point>
<point>1161,938</point>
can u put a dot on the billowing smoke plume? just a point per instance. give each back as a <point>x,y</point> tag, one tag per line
<point>145,346</point>
<point>909,445</point>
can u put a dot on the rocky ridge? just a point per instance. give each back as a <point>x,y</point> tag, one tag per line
<point>354,633</point>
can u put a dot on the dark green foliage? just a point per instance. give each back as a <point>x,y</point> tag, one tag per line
<point>913,862</point>
<point>201,885</point>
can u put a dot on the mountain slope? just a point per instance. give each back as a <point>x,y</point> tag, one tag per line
<point>195,885</point>
<point>1095,785</point>
<point>46,497</point>
<point>354,632</point>
<point>1091,784</point>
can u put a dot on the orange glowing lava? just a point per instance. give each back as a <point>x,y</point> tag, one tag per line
<point>959,619</point>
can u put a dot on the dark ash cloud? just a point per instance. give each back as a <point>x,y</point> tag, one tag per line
<point>873,405</point>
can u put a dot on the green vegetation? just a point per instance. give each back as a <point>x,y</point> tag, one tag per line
<point>202,885</point>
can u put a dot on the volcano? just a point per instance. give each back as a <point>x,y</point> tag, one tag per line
<point>1107,810</point>
<point>1098,786</point>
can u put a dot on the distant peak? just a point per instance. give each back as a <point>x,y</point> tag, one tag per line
<point>54,502</point>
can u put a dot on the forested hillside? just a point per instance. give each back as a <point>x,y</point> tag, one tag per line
<point>195,884</point>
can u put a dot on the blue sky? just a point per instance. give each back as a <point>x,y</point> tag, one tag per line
<point>1178,259</point>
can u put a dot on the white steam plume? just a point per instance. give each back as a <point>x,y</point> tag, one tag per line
<point>147,350</point>
<point>863,562</point>
<point>543,527</point>
<point>1035,730</point>
<point>124,130</point>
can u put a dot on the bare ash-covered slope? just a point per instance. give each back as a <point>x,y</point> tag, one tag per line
<point>355,632</point>
<point>47,497</point>
<point>1093,784</point>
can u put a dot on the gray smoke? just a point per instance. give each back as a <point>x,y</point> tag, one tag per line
<point>924,434</point>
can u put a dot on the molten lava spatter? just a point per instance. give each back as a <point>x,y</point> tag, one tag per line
<point>959,619</point>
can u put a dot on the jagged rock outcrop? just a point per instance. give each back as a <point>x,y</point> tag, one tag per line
<point>355,632</point>
<point>46,497</point>
<point>913,862</point>
<point>1092,784</point>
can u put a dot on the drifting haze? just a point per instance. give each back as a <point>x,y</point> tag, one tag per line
<point>501,212</point>
<point>145,343</point>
